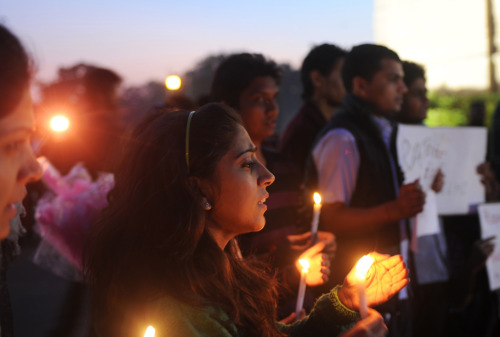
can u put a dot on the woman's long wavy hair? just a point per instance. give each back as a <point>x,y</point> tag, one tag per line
<point>152,239</point>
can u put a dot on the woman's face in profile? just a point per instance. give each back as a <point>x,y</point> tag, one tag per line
<point>18,164</point>
<point>239,193</point>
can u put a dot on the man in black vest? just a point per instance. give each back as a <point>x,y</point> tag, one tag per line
<point>357,172</point>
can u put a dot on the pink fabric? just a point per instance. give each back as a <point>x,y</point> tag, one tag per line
<point>65,213</point>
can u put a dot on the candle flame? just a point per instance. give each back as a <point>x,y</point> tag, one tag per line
<point>150,332</point>
<point>363,266</point>
<point>317,198</point>
<point>59,123</point>
<point>305,265</point>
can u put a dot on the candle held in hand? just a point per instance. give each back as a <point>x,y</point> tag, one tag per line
<point>150,332</point>
<point>315,220</point>
<point>302,286</point>
<point>362,268</point>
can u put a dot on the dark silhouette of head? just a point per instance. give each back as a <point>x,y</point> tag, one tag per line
<point>101,85</point>
<point>236,72</point>
<point>179,101</point>
<point>323,59</point>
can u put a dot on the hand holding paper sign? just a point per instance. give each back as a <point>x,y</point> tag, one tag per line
<point>410,201</point>
<point>456,151</point>
<point>481,250</point>
<point>437,184</point>
<point>489,181</point>
<point>486,251</point>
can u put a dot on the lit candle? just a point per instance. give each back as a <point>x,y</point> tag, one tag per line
<point>315,220</point>
<point>302,286</point>
<point>150,332</point>
<point>362,268</point>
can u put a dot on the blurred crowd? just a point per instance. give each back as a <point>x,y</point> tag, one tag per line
<point>341,143</point>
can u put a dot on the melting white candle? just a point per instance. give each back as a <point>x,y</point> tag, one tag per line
<point>302,286</point>
<point>315,219</point>
<point>362,268</point>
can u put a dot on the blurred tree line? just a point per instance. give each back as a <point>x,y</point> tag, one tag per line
<point>102,112</point>
<point>453,108</point>
<point>136,101</point>
<point>93,96</point>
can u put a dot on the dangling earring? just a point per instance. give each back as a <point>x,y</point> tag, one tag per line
<point>207,206</point>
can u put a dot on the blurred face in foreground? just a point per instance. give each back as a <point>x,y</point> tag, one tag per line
<point>238,194</point>
<point>18,165</point>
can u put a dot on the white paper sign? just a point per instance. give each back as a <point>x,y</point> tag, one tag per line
<point>457,151</point>
<point>428,220</point>
<point>489,217</point>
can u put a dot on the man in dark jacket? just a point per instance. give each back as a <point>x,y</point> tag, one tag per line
<point>357,172</point>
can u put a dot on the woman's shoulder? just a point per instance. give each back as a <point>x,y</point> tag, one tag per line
<point>173,317</point>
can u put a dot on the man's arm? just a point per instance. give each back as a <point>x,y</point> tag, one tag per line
<point>337,160</point>
<point>341,219</point>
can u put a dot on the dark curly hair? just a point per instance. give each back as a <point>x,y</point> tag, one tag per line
<point>236,72</point>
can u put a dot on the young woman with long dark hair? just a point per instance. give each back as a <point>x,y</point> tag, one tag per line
<point>164,253</point>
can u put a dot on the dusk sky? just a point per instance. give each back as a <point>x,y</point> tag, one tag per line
<point>148,39</point>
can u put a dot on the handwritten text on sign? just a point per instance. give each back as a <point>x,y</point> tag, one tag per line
<point>456,151</point>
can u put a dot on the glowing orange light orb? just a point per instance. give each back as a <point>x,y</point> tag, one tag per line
<point>59,123</point>
<point>173,82</point>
